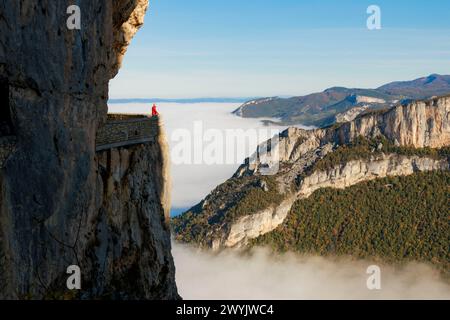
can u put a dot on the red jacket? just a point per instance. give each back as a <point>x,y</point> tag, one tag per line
<point>154,112</point>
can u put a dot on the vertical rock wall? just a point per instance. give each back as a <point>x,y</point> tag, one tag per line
<point>54,210</point>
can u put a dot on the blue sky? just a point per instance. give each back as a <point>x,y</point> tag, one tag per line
<point>245,48</point>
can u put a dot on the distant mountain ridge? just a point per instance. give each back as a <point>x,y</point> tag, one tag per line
<point>180,100</point>
<point>433,85</point>
<point>324,108</point>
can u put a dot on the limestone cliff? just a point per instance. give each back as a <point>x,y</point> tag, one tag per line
<point>60,202</point>
<point>419,124</point>
<point>343,176</point>
<point>129,249</point>
<point>398,142</point>
<point>350,114</point>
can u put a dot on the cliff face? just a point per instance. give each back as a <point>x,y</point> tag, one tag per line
<point>60,203</point>
<point>419,124</point>
<point>350,114</point>
<point>129,249</point>
<point>340,177</point>
<point>406,129</point>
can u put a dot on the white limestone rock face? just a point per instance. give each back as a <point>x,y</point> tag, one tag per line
<point>418,124</point>
<point>252,226</point>
<point>350,114</point>
<point>365,99</point>
<point>358,171</point>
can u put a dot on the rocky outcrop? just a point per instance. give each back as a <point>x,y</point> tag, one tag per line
<point>130,252</point>
<point>350,114</point>
<point>252,226</point>
<point>365,99</point>
<point>240,111</point>
<point>61,203</point>
<point>343,176</point>
<point>357,171</point>
<point>416,125</point>
<point>128,17</point>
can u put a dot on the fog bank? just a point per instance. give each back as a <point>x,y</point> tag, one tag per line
<point>229,275</point>
<point>192,182</point>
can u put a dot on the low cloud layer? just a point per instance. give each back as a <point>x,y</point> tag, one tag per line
<point>261,275</point>
<point>192,182</point>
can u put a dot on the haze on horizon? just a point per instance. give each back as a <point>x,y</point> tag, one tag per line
<point>203,48</point>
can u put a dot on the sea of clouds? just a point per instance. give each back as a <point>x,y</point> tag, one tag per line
<point>192,182</point>
<point>263,275</point>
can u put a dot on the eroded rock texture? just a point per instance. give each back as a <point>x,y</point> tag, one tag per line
<point>59,204</point>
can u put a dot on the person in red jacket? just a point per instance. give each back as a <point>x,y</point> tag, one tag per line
<point>154,112</point>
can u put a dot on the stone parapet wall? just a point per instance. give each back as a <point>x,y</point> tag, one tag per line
<point>122,130</point>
